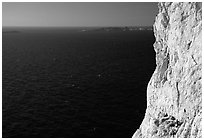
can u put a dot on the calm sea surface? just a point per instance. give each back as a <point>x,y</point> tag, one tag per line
<point>69,83</point>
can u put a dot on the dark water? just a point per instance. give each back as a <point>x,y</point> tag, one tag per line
<point>67,83</point>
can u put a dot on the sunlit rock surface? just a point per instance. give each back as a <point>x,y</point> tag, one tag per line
<point>174,95</point>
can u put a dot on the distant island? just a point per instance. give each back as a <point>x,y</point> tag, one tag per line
<point>10,31</point>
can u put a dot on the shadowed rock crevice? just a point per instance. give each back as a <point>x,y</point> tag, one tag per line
<point>166,126</point>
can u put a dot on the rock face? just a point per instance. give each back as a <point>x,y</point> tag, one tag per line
<point>174,95</point>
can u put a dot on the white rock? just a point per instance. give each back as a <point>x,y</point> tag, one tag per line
<point>175,90</point>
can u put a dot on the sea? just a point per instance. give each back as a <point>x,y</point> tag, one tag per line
<point>74,82</point>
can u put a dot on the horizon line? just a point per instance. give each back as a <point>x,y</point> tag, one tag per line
<point>80,26</point>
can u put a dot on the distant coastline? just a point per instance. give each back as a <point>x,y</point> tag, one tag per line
<point>9,30</point>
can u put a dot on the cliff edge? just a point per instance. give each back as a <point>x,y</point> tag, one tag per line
<point>174,95</point>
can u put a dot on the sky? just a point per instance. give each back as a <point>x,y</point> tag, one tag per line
<point>65,14</point>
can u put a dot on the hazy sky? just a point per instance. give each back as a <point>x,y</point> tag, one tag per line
<point>78,14</point>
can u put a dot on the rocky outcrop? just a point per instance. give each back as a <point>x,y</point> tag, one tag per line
<point>174,95</point>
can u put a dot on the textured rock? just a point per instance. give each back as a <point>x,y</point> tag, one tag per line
<point>174,95</point>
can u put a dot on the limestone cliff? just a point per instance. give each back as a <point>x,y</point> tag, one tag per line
<point>174,95</point>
